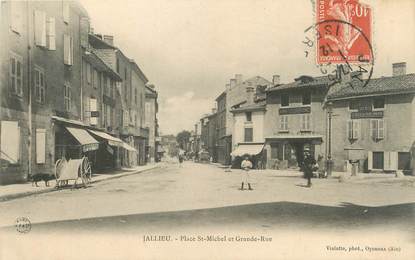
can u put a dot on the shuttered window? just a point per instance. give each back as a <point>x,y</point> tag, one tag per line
<point>353,129</point>
<point>16,74</point>
<point>67,96</point>
<point>67,49</point>
<point>377,129</point>
<point>51,33</point>
<point>284,123</point>
<point>40,146</point>
<point>39,83</point>
<point>40,28</point>
<point>305,122</point>
<point>10,142</point>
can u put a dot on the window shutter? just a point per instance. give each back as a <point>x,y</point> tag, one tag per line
<point>51,33</point>
<point>369,160</point>
<point>10,141</point>
<point>286,122</point>
<point>373,128</point>
<point>40,28</point>
<point>40,146</point>
<point>386,161</point>
<point>356,129</point>
<point>350,129</point>
<point>394,161</point>
<point>381,129</point>
<point>67,49</point>
<point>84,31</point>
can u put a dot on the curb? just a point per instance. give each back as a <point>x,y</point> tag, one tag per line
<point>52,189</point>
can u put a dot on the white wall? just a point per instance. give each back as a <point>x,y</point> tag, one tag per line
<point>257,124</point>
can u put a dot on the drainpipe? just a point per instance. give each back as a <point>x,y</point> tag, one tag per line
<point>29,80</point>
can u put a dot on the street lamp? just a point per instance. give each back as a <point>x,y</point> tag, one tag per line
<point>329,162</point>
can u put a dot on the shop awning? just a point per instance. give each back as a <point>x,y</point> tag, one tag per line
<point>128,147</point>
<point>114,141</point>
<point>84,138</point>
<point>251,149</point>
<point>296,137</point>
<point>160,149</point>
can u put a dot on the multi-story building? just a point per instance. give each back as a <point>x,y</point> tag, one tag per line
<point>236,96</point>
<point>248,130</point>
<point>60,92</point>
<point>151,109</point>
<point>40,77</point>
<point>374,125</point>
<point>130,110</point>
<point>295,118</point>
<point>224,142</point>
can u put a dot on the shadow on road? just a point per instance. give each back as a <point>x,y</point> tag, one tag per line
<point>272,216</point>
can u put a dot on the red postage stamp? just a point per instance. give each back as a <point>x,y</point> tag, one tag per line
<point>344,32</point>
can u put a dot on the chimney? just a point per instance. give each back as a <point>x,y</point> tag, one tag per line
<point>109,39</point>
<point>238,78</point>
<point>275,80</point>
<point>91,30</point>
<point>233,83</point>
<point>250,93</point>
<point>228,86</point>
<point>213,110</point>
<point>399,69</point>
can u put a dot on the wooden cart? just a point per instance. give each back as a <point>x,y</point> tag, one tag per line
<point>72,169</point>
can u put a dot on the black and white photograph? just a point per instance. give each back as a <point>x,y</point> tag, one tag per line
<point>207,129</point>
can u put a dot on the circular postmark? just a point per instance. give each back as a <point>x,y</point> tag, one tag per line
<point>333,57</point>
<point>23,225</point>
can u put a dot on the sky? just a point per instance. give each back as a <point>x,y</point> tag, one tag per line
<point>190,49</point>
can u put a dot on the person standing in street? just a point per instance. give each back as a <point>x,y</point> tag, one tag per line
<point>308,166</point>
<point>246,165</point>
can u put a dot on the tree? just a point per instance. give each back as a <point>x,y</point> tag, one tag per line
<point>182,139</point>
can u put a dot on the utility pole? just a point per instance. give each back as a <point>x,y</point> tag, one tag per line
<point>329,166</point>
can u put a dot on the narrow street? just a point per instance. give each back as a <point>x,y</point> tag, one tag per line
<point>198,196</point>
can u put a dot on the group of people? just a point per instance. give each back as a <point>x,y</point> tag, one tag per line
<point>309,165</point>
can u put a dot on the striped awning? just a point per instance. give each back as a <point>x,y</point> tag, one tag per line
<point>84,138</point>
<point>250,149</point>
<point>114,141</point>
<point>128,147</point>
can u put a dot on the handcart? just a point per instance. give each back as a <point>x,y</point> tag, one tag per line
<point>72,169</point>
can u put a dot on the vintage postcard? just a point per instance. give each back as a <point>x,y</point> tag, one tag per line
<point>205,129</point>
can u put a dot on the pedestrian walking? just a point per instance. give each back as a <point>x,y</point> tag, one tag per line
<point>309,164</point>
<point>246,165</point>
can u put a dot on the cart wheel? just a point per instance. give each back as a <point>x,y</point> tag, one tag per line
<point>86,172</point>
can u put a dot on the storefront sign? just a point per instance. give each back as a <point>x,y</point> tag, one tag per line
<point>89,147</point>
<point>368,114</point>
<point>94,113</point>
<point>294,110</point>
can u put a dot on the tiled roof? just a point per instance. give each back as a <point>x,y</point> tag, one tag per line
<point>302,81</point>
<point>384,85</point>
<point>251,107</point>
